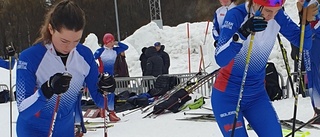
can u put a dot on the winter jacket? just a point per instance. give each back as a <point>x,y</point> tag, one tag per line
<point>121,67</point>
<point>108,56</point>
<point>154,65</point>
<point>35,66</point>
<point>143,60</point>
<point>231,56</point>
<point>166,59</point>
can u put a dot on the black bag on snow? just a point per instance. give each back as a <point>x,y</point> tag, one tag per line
<point>174,102</point>
<point>272,82</point>
<point>129,100</point>
<point>123,96</point>
<point>163,84</point>
<point>4,96</point>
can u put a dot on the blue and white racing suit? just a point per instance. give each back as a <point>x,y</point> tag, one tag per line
<point>108,58</point>
<point>35,66</point>
<point>312,65</point>
<point>255,105</point>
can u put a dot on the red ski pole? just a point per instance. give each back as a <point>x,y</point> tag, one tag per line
<point>54,116</point>
<point>105,100</point>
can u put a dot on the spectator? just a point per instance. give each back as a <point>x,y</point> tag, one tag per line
<point>165,57</point>
<point>107,55</point>
<point>143,60</point>
<point>154,65</point>
<point>120,66</point>
<point>121,69</point>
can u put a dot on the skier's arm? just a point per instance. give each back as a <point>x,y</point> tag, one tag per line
<point>215,27</point>
<point>226,49</point>
<point>98,53</point>
<point>291,31</point>
<point>91,80</point>
<point>122,47</point>
<point>30,100</point>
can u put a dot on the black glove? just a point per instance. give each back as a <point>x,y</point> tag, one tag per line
<point>11,51</point>
<point>57,84</point>
<point>106,83</point>
<point>254,24</point>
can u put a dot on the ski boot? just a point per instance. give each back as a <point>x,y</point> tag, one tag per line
<point>113,117</point>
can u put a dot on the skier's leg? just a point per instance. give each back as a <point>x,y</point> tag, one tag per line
<point>262,117</point>
<point>111,97</point>
<point>224,107</point>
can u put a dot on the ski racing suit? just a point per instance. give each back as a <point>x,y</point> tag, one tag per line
<point>35,66</point>
<point>312,65</point>
<point>218,19</point>
<point>108,57</point>
<point>230,55</point>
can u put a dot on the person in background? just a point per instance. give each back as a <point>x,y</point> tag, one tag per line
<point>120,66</point>
<point>265,19</point>
<point>107,55</point>
<point>121,69</point>
<point>56,65</point>
<point>219,15</point>
<point>312,65</point>
<point>154,66</point>
<point>165,57</point>
<point>7,64</point>
<point>143,60</point>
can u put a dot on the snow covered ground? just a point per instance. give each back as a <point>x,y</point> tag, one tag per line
<point>176,42</point>
<point>166,125</point>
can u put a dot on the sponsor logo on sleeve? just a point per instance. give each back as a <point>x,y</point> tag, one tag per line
<point>227,24</point>
<point>22,65</point>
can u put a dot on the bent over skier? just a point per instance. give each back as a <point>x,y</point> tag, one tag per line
<point>232,48</point>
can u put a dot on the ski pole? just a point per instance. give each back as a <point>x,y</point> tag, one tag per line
<point>104,114</point>
<point>56,107</point>
<point>303,125</point>
<point>244,77</point>
<point>54,116</point>
<point>189,63</point>
<point>286,62</point>
<point>242,84</point>
<point>11,97</point>
<point>303,25</point>
<point>201,51</point>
